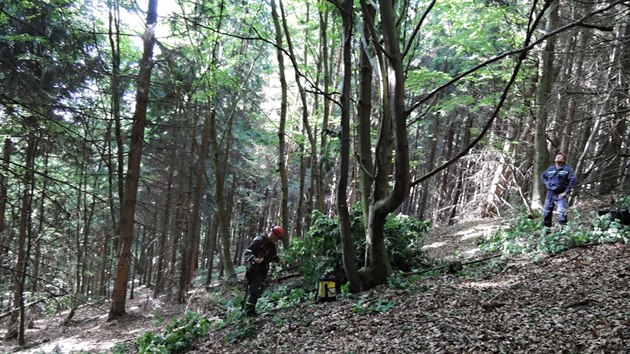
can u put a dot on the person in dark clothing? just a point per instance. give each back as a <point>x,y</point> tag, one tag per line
<point>559,180</point>
<point>258,255</point>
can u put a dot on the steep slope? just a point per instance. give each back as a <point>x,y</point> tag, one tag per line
<point>575,302</point>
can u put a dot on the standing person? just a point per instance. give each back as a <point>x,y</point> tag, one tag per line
<point>258,255</point>
<point>559,180</point>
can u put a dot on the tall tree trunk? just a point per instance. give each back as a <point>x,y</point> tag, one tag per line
<point>460,173</point>
<point>219,158</point>
<point>364,114</point>
<point>298,80</point>
<point>16,325</point>
<point>444,182</point>
<point>543,95</point>
<point>424,197</point>
<point>212,242</point>
<point>4,177</point>
<point>191,245</point>
<point>40,226</point>
<point>611,174</point>
<point>117,92</point>
<point>318,178</point>
<point>164,227</point>
<point>349,263</point>
<point>128,208</point>
<point>282,169</point>
<point>625,89</point>
<point>393,131</point>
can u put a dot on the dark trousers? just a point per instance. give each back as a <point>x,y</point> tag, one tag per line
<point>552,200</point>
<point>255,279</point>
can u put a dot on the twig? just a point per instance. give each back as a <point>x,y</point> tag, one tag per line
<point>451,264</point>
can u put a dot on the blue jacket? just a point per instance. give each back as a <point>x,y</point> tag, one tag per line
<point>559,180</point>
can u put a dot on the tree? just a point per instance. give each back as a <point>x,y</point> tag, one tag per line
<point>346,10</point>
<point>127,211</point>
<point>543,92</point>
<point>282,169</point>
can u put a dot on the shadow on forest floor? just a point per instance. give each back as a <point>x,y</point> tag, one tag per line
<point>577,301</point>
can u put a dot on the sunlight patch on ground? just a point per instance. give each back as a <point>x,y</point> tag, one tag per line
<point>471,252</point>
<point>434,245</point>
<point>73,345</point>
<point>487,284</point>
<point>475,232</point>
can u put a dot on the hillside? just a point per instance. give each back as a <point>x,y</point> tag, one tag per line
<point>578,301</point>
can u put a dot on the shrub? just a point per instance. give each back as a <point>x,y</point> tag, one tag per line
<point>178,337</point>
<point>528,237</point>
<point>319,252</point>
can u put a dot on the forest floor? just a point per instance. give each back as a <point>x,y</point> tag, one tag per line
<point>574,302</point>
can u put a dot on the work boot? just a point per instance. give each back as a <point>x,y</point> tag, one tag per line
<point>250,310</point>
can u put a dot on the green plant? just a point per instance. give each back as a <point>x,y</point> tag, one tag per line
<point>178,336</point>
<point>527,237</point>
<point>367,305</point>
<point>284,297</point>
<point>244,329</point>
<point>403,239</point>
<point>119,349</point>
<point>319,252</point>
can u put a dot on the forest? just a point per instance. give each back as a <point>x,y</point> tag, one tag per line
<point>145,143</point>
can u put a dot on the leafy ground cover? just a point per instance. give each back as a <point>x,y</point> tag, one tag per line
<point>574,301</point>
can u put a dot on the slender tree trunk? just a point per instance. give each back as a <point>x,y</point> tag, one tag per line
<point>394,130</point>
<point>4,177</point>
<point>164,227</point>
<point>319,187</point>
<point>128,209</point>
<point>460,173</point>
<point>284,182</point>
<point>298,80</point>
<point>422,207</point>
<point>349,263</point>
<point>212,234</point>
<point>117,92</point>
<point>364,114</point>
<point>611,175</point>
<point>543,94</point>
<point>219,159</point>
<point>445,180</point>
<point>16,325</point>
<point>191,245</point>
<point>175,231</point>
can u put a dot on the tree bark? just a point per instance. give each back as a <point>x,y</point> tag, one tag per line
<point>349,263</point>
<point>611,175</point>
<point>164,227</point>
<point>543,95</point>
<point>394,129</point>
<point>4,181</point>
<point>128,208</point>
<point>363,127</point>
<point>191,245</point>
<point>219,158</point>
<point>282,169</point>
<point>16,325</point>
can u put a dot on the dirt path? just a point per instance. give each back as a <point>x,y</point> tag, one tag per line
<point>89,331</point>
<point>459,241</point>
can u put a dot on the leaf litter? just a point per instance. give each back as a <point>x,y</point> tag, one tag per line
<point>575,302</point>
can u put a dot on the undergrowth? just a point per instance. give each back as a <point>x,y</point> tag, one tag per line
<point>523,236</point>
<point>178,337</point>
<point>528,237</point>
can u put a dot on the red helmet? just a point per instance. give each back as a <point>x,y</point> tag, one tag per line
<point>278,231</point>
